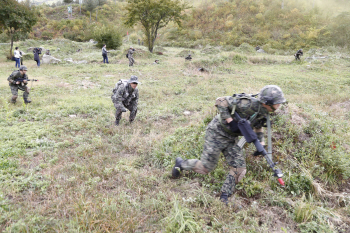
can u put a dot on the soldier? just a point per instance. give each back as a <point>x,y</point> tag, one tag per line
<point>298,54</point>
<point>222,135</point>
<point>15,85</point>
<point>156,62</point>
<point>104,54</point>
<point>130,54</point>
<point>188,58</point>
<point>126,95</point>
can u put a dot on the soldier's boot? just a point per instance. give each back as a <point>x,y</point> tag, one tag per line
<point>177,168</point>
<point>14,99</point>
<point>224,198</point>
<point>26,101</point>
<point>117,121</point>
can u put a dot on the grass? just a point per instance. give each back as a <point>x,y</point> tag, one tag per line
<point>65,167</point>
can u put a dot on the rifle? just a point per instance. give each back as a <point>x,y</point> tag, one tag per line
<point>21,82</point>
<point>250,136</point>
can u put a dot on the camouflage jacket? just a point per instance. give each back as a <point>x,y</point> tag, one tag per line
<point>245,107</point>
<point>125,95</point>
<point>130,53</point>
<point>16,75</point>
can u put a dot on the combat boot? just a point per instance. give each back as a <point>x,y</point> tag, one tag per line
<point>26,101</point>
<point>13,99</point>
<point>117,122</point>
<point>224,198</point>
<point>177,168</point>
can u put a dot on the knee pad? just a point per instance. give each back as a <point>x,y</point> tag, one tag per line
<point>199,168</point>
<point>238,173</point>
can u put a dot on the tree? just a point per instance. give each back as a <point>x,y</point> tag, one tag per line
<point>90,5</point>
<point>17,19</point>
<point>67,1</point>
<point>153,15</point>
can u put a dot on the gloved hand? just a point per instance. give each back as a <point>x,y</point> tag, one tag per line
<point>234,127</point>
<point>257,153</point>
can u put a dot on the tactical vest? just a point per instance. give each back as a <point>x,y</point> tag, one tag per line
<point>242,104</point>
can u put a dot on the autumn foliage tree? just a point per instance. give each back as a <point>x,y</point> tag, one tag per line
<point>16,18</point>
<point>153,15</point>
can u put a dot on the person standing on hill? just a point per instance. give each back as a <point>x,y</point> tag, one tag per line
<point>130,56</point>
<point>17,56</point>
<point>22,85</point>
<point>36,52</point>
<point>223,131</point>
<point>298,54</point>
<point>125,96</point>
<point>104,54</point>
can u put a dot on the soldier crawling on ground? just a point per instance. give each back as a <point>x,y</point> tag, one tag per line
<point>125,96</point>
<point>298,54</point>
<point>156,62</point>
<point>15,84</point>
<point>223,131</point>
<point>188,58</point>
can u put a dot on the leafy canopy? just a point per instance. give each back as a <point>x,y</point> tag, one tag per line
<point>16,18</point>
<point>153,15</point>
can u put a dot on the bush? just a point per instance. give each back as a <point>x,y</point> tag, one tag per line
<point>4,38</point>
<point>107,35</point>
<point>47,35</point>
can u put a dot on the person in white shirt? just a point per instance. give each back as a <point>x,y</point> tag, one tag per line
<point>17,56</point>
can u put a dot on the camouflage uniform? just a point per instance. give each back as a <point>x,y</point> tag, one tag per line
<point>131,59</point>
<point>126,97</point>
<point>14,87</point>
<point>219,138</point>
<point>298,54</point>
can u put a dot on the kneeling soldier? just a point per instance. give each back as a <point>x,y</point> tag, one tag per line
<point>125,96</point>
<point>19,80</point>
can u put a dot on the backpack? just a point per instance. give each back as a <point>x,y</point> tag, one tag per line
<point>127,55</point>
<point>115,89</point>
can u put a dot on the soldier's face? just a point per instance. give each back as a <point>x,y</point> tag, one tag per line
<point>133,85</point>
<point>23,72</point>
<point>272,108</point>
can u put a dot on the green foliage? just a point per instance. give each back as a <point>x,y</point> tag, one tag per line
<point>298,184</point>
<point>108,35</point>
<point>340,29</point>
<point>17,19</point>
<point>153,15</point>
<point>180,219</point>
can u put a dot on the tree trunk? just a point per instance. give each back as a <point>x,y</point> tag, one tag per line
<point>10,55</point>
<point>96,14</point>
<point>90,16</point>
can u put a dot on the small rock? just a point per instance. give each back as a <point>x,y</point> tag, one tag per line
<point>187,113</point>
<point>72,115</point>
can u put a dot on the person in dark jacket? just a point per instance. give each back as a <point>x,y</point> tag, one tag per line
<point>189,57</point>
<point>104,54</point>
<point>36,52</point>
<point>298,54</point>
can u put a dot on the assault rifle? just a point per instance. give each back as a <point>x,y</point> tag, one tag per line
<point>21,82</point>
<point>250,136</point>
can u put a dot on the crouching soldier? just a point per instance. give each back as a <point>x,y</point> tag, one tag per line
<point>19,80</point>
<point>188,58</point>
<point>125,96</point>
<point>223,131</point>
<point>298,54</point>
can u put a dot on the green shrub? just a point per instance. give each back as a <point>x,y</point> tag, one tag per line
<point>47,35</point>
<point>107,35</point>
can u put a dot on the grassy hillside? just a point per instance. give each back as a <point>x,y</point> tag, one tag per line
<point>64,166</point>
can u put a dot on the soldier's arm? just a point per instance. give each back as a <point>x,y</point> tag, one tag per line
<point>223,107</point>
<point>260,133</point>
<point>11,78</point>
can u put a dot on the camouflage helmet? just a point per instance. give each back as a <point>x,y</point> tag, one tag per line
<point>271,94</point>
<point>23,68</point>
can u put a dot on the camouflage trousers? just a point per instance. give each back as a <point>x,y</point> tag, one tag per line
<point>214,144</point>
<point>131,61</point>
<point>14,91</point>
<point>132,107</point>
